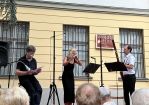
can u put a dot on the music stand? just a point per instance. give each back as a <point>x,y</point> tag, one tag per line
<point>91,68</point>
<point>115,66</point>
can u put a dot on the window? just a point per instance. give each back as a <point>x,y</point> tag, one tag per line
<point>134,37</point>
<point>17,39</point>
<point>77,37</point>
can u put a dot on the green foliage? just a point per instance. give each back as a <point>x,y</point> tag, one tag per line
<point>8,9</point>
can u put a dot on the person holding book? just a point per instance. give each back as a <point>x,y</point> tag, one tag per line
<point>25,70</point>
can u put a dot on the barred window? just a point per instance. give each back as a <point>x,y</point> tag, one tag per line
<point>17,38</point>
<point>134,37</point>
<point>77,37</point>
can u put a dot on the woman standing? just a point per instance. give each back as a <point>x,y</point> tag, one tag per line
<point>68,76</point>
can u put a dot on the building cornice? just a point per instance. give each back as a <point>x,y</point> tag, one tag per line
<point>81,7</point>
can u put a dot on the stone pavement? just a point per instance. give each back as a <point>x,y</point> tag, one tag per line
<point>46,91</point>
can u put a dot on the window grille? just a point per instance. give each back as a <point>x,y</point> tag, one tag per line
<point>134,37</point>
<point>77,37</point>
<point>17,37</point>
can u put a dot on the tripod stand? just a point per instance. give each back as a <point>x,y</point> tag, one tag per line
<point>53,88</point>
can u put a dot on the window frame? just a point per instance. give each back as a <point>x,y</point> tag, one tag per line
<point>15,36</point>
<point>77,43</point>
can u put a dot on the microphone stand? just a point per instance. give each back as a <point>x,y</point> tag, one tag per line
<point>53,87</point>
<point>9,74</point>
<point>89,73</point>
<point>94,59</point>
<point>102,85</point>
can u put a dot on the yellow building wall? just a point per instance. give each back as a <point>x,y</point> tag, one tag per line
<point>44,21</point>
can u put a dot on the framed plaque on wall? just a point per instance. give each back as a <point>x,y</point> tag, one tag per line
<point>105,40</point>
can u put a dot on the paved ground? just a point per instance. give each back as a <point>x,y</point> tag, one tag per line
<point>46,92</point>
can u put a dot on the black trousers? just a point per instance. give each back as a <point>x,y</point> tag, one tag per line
<point>34,90</point>
<point>128,86</point>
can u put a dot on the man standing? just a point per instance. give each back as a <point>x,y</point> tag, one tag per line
<point>26,69</point>
<point>129,77</point>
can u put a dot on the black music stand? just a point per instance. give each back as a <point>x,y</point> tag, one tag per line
<point>115,66</point>
<point>91,68</point>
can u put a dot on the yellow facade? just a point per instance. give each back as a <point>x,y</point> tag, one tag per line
<point>43,21</point>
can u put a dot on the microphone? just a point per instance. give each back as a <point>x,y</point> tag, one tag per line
<point>27,68</point>
<point>93,57</point>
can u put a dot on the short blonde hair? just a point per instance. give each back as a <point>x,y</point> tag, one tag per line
<point>14,96</point>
